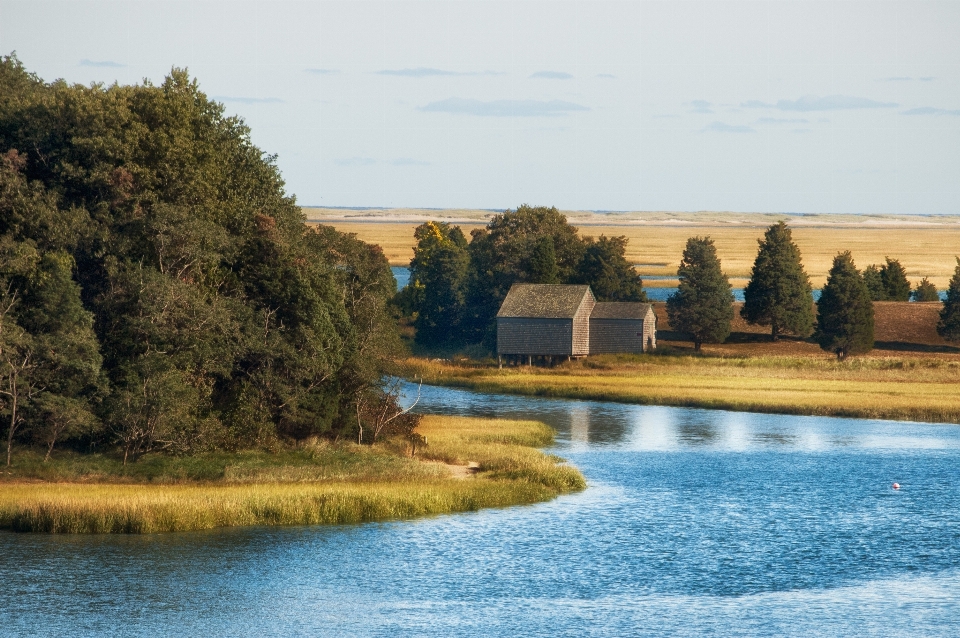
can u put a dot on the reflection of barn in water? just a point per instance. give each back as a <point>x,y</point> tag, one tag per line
<point>562,321</point>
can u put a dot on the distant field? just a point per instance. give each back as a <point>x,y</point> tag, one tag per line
<point>924,248</point>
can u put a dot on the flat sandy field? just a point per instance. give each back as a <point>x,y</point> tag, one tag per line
<point>927,246</point>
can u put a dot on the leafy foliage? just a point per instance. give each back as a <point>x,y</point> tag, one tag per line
<point>949,325</point>
<point>160,286</point>
<point>779,293</point>
<point>845,311</point>
<point>456,289</point>
<point>703,303</point>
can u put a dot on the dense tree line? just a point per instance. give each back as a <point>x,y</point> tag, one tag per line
<point>159,290</point>
<point>456,286</point>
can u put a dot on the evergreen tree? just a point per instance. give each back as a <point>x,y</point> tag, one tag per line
<point>608,273</point>
<point>874,283</point>
<point>949,325</point>
<point>779,293</point>
<point>845,311</point>
<point>895,283</point>
<point>926,291</point>
<point>543,262</point>
<point>703,303</point>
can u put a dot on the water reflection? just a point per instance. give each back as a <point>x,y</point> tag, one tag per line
<point>658,428</point>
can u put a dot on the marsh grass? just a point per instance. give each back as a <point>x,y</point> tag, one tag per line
<point>921,389</point>
<point>326,484</point>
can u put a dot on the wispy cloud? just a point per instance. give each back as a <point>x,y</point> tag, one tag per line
<point>550,75</point>
<point>425,72</point>
<point>720,127</point>
<point>322,71</point>
<point>102,63</point>
<point>814,103</point>
<point>606,76</point>
<point>503,108</point>
<point>929,110</point>
<point>355,161</point>
<point>701,106</point>
<point>248,100</point>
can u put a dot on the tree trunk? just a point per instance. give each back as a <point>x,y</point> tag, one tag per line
<point>775,332</point>
<point>696,345</point>
<point>13,414</point>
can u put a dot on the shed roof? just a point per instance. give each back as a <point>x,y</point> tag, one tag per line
<point>543,301</point>
<point>620,310</point>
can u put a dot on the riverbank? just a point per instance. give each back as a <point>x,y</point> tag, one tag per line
<point>467,465</point>
<point>896,388</point>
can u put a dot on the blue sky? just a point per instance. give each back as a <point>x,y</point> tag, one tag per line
<point>835,107</point>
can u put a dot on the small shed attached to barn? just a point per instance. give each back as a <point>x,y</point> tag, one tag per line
<point>619,326</point>
<point>545,320</point>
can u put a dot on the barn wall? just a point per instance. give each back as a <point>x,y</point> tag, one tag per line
<point>608,336</point>
<point>581,326</point>
<point>520,335</point>
<point>650,330</point>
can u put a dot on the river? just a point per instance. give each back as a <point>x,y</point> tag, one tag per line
<point>695,522</point>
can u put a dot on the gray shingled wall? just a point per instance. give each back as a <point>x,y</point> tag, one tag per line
<point>523,335</point>
<point>609,336</point>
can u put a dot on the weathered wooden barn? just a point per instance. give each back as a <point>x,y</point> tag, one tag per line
<point>553,320</point>
<point>545,320</point>
<point>618,326</point>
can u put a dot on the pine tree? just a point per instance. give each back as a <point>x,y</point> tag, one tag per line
<point>703,303</point>
<point>949,325</point>
<point>779,293</point>
<point>874,283</point>
<point>895,283</point>
<point>845,310</point>
<point>926,291</point>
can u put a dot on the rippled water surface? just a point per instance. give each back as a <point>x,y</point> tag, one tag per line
<point>695,523</point>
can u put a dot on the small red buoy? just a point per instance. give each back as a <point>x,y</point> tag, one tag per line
<point>896,486</point>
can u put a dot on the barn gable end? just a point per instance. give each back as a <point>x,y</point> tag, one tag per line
<point>545,319</point>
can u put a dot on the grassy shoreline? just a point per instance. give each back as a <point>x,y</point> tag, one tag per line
<point>913,389</point>
<point>506,468</point>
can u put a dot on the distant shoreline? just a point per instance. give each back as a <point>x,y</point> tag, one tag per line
<point>373,215</point>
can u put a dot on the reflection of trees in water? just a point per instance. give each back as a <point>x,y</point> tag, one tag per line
<point>698,429</point>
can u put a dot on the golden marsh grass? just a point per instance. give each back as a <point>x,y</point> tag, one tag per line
<point>508,472</point>
<point>926,251</point>
<point>918,389</point>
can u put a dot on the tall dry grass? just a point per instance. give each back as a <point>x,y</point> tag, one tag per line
<point>509,471</point>
<point>892,388</point>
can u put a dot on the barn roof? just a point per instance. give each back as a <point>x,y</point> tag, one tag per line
<point>620,310</point>
<point>543,301</point>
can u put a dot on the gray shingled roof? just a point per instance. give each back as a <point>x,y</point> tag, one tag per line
<point>543,301</point>
<point>620,310</point>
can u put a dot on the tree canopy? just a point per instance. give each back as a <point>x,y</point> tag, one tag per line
<point>949,325</point>
<point>926,291</point>
<point>703,303</point>
<point>779,293</point>
<point>161,290</point>
<point>845,310</point>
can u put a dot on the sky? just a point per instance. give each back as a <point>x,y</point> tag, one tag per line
<point>790,107</point>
